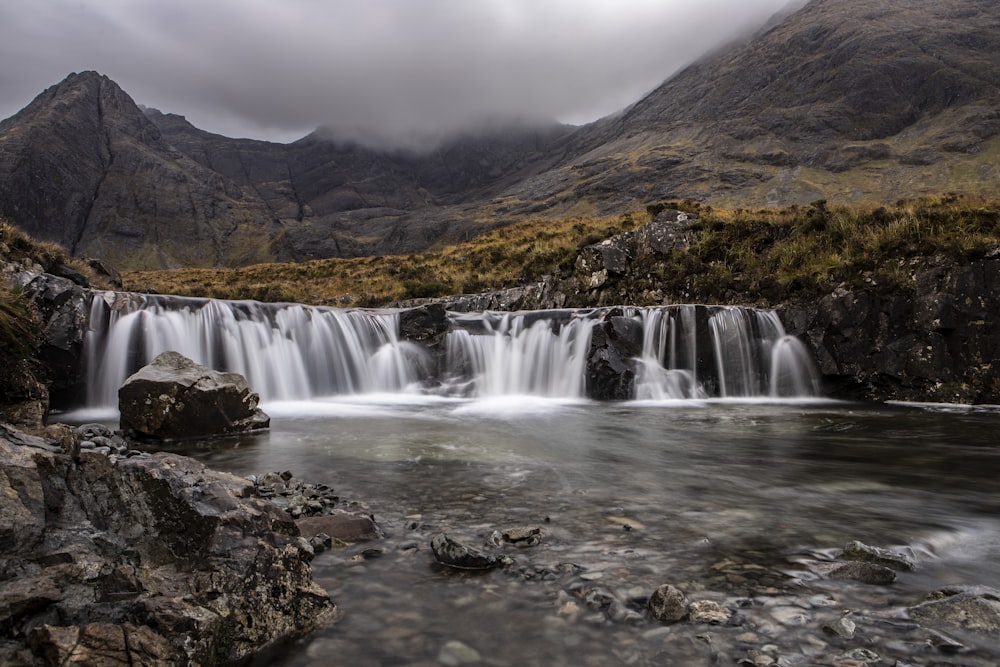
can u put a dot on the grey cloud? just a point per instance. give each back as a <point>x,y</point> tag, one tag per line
<point>386,70</point>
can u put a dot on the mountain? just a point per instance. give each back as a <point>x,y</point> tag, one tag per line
<point>343,199</point>
<point>83,166</point>
<point>845,100</point>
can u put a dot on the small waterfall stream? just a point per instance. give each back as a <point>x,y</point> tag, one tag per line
<point>296,352</point>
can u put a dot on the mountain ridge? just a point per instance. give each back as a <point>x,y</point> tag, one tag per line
<point>839,100</point>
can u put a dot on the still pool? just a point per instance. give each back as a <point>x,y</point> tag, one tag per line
<point>742,503</point>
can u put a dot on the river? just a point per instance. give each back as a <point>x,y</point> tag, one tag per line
<point>737,502</point>
<point>734,481</point>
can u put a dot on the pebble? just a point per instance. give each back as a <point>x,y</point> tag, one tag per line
<point>790,616</point>
<point>455,653</point>
<point>842,627</point>
<point>707,611</point>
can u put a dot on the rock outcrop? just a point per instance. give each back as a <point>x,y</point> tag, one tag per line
<point>142,559</point>
<point>937,341</point>
<point>174,398</point>
<point>63,309</point>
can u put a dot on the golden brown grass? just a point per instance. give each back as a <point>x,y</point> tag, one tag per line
<point>754,256</point>
<point>504,257</point>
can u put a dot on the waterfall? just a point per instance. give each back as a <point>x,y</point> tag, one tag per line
<point>297,352</point>
<point>514,355</point>
<point>742,353</point>
<point>286,351</point>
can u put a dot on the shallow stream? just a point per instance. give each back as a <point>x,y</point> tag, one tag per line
<point>734,502</point>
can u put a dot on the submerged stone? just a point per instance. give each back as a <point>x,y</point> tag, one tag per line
<point>866,573</point>
<point>964,607</point>
<point>886,557</point>
<point>707,611</point>
<point>668,604</point>
<point>455,554</point>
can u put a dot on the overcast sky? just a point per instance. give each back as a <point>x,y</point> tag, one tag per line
<point>382,69</point>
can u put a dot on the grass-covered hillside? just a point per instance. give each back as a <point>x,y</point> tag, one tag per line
<point>759,256</point>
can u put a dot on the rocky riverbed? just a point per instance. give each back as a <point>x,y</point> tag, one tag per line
<point>114,553</point>
<point>836,606</point>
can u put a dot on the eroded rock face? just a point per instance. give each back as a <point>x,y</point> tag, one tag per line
<point>145,559</point>
<point>174,398</point>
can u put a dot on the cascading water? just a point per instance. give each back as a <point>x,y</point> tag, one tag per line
<point>296,352</point>
<point>743,353</point>
<point>513,355</point>
<point>286,352</point>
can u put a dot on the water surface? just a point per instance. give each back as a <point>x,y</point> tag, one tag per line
<point>731,501</point>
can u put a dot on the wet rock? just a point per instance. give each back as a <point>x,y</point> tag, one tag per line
<point>707,611</point>
<point>63,309</point>
<point>100,644</point>
<point>148,559</point>
<point>455,554</point>
<point>610,371</point>
<point>866,573</point>
<point>425,324</point>
<point>523,536</point>
<point>343,526</point>
<point>790,616</point>
<point>455,653</point>
<point>860,656</point>
<point>973,608</point>
<point>842,627</point>
<point>320,542</point>
<point>858,551</point>
<point>668,604</point>
<point>174,398</point>
<point>25,395</point>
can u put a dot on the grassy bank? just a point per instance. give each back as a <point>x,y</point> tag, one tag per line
<point>753,256</point>
<point>505,257</point>
<point>769,255</point>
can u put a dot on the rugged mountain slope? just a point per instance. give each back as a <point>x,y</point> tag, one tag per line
<point>82,166</point>
<point>336,199</point>
<point>843,100</point>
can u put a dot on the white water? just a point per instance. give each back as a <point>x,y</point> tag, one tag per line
<point>514,357</point>
<point>750,356</point>
<point>291,352</point>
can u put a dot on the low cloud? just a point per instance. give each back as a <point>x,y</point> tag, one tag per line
<point>386,71</point>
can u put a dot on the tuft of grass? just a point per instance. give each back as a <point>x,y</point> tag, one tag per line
<point>15,245</point>
<point>19,328</point>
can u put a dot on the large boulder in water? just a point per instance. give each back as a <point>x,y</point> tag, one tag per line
<point>174,397</point>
